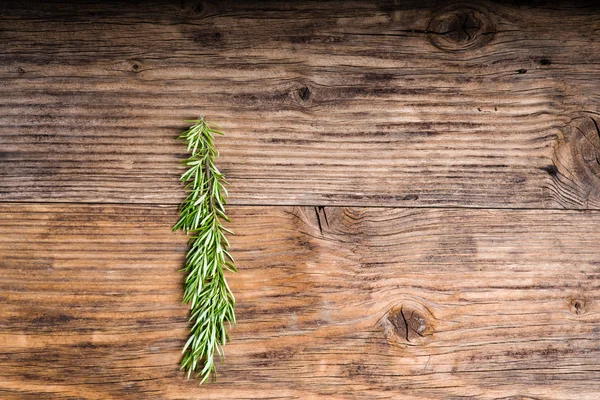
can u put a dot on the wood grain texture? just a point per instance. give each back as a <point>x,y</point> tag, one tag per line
<point>416,191</point>
<point>475,104</point>
<point>332,303</point>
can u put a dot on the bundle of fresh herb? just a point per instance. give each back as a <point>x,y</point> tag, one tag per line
<point>206,290</point>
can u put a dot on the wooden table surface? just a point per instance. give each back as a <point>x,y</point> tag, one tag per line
<point>415,191</point>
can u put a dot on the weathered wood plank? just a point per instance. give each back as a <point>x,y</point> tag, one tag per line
<point>332,302</point>
<point>332,103</point>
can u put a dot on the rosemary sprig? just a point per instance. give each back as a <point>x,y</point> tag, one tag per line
<point>206,290</point>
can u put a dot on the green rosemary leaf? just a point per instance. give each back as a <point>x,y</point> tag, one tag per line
<point>205,289</point>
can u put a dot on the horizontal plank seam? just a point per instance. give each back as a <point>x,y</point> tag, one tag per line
<point>160,205</point>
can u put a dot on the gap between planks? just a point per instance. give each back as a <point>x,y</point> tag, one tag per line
<point>167,205</point>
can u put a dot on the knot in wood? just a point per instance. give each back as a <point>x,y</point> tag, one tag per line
<point>135,66</point>
<point>304,93</point>
<point>577,306</point>
<point>199,8</point>
<point>408,323</point>
<point>460,27</point>
<point>577,156</point>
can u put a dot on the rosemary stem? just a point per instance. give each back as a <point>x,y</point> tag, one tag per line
<point>206,289</point>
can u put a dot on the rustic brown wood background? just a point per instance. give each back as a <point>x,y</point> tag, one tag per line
<point>415,188</point>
